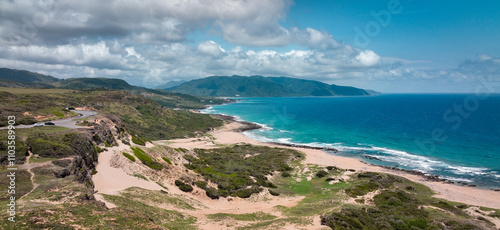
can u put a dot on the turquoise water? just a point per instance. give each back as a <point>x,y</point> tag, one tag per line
<point>453,136</point>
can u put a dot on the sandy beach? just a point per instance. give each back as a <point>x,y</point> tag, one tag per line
<point>229,135</point>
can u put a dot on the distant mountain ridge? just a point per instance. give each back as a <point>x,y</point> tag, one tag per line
<point>11,78</point>
<point>170,84</point>
<point>94,83</point>
<point>25,79</point>
<point>259,86</point>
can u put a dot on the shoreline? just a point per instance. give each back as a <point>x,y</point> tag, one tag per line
<point>248,126</point>
<point>232,133</point>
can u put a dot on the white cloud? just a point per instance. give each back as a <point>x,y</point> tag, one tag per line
<point>368,58</point>
<point>211,48</point>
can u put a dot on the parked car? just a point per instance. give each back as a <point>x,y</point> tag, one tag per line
<point>38,124</point>
<point>49,123</point>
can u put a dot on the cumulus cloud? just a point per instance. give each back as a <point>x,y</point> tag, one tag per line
<point>211,48</point>
<point>368,58</point>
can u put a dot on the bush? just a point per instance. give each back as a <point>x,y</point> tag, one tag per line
<point>138,141</point>
<point>242,193</point>
<point>321,173</point>
<point>331,167</point>
<point>182,150</point>
<point>274,193</point>
<point>140,154</point>
<point>201,184</point>
<point>285,174</point>
<point>212,193</point>
<point>167,160</point>
<point>183,186</point>
<point>269,185</point>
<point>130,157</point>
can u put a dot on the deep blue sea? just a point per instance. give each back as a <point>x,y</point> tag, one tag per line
<point>456,137</point>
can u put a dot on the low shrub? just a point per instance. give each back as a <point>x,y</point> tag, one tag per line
<point>130,157</point>
<point>167,160</point>
<point>138,141</point>
<point>285,174</point>
<point>274,193</point>
<point>201,184</point>
<point>331,167</point>
<point>242,193</point>
<point>183,186</point>
<point>212,193</point>
<point>321,173</point>
<point>140,154</point>
<point>145,159</point>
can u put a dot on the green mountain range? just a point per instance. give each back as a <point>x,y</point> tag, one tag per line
<point>259,86</point>
<point>12,78</point>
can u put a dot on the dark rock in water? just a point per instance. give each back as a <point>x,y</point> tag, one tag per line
<point>496,190</point>
<point>307,147</point>
<point>247,126</point>
<point>371,158</point>
<point>472,185</point>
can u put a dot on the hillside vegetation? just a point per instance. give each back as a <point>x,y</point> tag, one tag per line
<point>258,86</point>
<point>140,116</point>
<point>26,76</point>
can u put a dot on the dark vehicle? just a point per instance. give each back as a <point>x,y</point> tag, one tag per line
<point>49,123</point>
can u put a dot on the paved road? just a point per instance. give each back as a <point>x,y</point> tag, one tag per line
<point>68,122</point>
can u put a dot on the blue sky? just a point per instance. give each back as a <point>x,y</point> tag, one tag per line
<point>446,32</point>
<point>424,47</point>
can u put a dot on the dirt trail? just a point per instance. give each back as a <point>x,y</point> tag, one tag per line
<point>32,175</point>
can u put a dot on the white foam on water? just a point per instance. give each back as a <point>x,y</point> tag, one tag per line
<point>462,170</point>
<point>456,179</point>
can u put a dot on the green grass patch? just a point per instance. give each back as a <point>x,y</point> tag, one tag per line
<point>138,141</point>
<point>130,157</point>
<point>167,160</point>
<point>145,159</point>
<point>256,216</point>
<point>37,159</point>
<point>140,176</point>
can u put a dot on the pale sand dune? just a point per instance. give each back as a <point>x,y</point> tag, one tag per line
<point>110,180</point>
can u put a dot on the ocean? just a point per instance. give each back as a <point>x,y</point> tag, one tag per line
<point>453,136</point>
